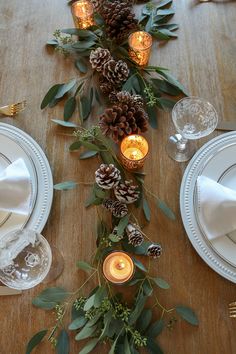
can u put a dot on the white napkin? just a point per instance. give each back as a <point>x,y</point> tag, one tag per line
<point>15,188</point>
<point>216,207</point>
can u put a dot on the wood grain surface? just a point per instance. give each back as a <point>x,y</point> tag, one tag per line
<point>203,58</point>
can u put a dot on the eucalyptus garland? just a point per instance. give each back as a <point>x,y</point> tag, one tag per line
<point>112,82</point>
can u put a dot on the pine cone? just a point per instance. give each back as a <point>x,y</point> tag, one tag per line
<point>107,176</point>
<point>121,120</point>
<point>134,235</point>
<point>116,72</point>
<point>125,97</point>
<point>98,5</point>
<point>119,19</point>
<point>99,57</point>
<point>117,208</point>
<point>105,86</point>
<point>126,192</point>
<point>154,250</point>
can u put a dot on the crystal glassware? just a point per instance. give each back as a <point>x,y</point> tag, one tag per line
<point>194,118</point>
<point>25,259</point>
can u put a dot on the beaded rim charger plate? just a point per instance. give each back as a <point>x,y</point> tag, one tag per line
<point>216,160</point>
<point>41,177</point>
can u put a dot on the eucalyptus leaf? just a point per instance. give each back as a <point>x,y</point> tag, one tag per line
<point>146,210</point>
<point>187,314</point>
<point>99,296</point>
<point>147,288</point>
<point>53,42</point>
<point>113,347</point>
<point>166,87</point>
<point>89,303</point>
<point>65,88</point>
<point>153,347</point>
<point>164,3</point>
<point>167,33</point>
<point>90,146</point>
<point>155,329</point>
<point>166,103</point>
<point>106,157</point>
<point>152,114</point>
<point>69,108</point>
<point>137,310</point>
<point>83,45</point>
<point>139,265</point>
<point>114,238</point>
<point>50,95</point>
<point>165,209</point>
<point>89,346</point>
<point>122,225</point>
<point>87,154</point>
<point>86,332</point>
<point>64,123</point>
<point>81,65</point>
<point>63,343</point>
<point>50,297</point>
<point>127,345</point>
<point>165,12</point>
<point>85,107</point>
<point>65,186</point>
<point>77,323</point>
<point>144,320</point>
<point>35,340</point>
<point>84,266</point>
<point>75,146</point>
<point>172,80</point>
<point>161,283</point>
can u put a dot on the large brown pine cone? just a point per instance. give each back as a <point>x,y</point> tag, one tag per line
<point>99,57</point>
<point>105,86</point>
<point>98,5</point>
<point>107,176</point>
<point>121,120</point>
<point>126,192</point>
<point>134,234</point>
<point>119,19</point>
<point>116,72</point>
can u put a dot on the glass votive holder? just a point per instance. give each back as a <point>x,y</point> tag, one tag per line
<point>118,267</point>
<point>83,14</point>
<point>133,151</point>
<point>140,44</point>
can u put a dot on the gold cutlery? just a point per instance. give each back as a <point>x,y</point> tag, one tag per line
<point>13,109</point>
<point>226,125</point>
<point>4,290</point>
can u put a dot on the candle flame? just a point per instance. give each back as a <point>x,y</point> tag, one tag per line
<point>120,265</point>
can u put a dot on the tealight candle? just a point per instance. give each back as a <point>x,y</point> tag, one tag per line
<point>140,47</point>
<point>82,12</point>
<point>118,267</point>
<point>134,150</point>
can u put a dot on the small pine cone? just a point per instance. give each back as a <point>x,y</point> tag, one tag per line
<point>105,86</point>
<point>124,97</point>
<point>107,203</point>
<point>154,251</point>
<point>126,192</point>
<point>119,210</point>
<point>107,176</point>
<point>99,57</point>
<point>116,72</point>
<point>134,235</point>
<point>138,100</point>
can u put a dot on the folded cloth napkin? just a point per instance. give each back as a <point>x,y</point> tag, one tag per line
<point>15,188</point>
<point>216,207</point>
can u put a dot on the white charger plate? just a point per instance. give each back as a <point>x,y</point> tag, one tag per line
<point>42,181</point>
<point>216,160</point>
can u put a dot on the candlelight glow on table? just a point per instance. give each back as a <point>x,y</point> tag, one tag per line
<point>118,267</point>
<point>82,12</point>
<point>140,47</point>
<point>134,150</point>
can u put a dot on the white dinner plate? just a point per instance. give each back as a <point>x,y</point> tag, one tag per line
<point>42,181</point>
<point>216,160</point>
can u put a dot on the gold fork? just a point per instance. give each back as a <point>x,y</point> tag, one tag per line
<point>232,309</point>
<point>13,109</point>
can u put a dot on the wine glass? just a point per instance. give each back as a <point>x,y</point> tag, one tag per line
<point>193,118</point>
<point>25,259</point>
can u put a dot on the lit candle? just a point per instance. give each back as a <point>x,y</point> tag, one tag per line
<point>134,150</point>
<point>118,267</point>
<point>140,47</point>
<point>82,12</point>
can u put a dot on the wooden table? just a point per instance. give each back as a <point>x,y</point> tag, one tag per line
<point>203,58</point>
